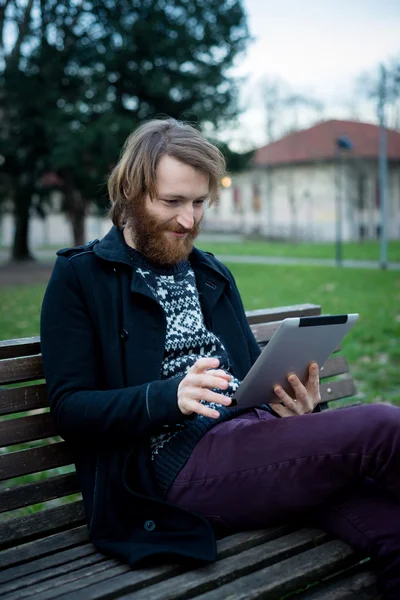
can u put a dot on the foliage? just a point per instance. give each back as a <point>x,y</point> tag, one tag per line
<point>77,77</point>
<point>235,161</point>
<point>381,85</point>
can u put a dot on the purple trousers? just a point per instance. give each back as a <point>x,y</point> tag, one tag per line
<point>339,470</point>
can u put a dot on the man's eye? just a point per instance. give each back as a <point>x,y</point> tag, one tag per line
<point>170,201</point>
<point>200,202</point>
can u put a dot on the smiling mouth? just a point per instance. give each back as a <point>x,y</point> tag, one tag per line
<point>177,234</point>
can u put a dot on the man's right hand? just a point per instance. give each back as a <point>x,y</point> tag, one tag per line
<point>197,384</point>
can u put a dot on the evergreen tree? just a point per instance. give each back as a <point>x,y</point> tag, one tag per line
<point>88,72</point>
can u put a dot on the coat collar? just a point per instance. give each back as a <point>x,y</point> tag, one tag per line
<point>208,272</point>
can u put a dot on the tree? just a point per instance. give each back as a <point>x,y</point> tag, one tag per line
<point>283,107</point>
<point>273,93</point>
<point>15,156</point>
<point>368,85</point>
<point>99,68</point>
<point>235,161</point>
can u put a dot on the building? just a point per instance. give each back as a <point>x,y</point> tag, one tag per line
<point>294,189</point>
<point>296,186</point>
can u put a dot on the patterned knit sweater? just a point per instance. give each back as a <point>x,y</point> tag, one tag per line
<point>187,340</point>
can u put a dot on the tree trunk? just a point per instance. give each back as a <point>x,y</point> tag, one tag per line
<point>22,201</point>
<point>76,212</point>
<point>77,219</point>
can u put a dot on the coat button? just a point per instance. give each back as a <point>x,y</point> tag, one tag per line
<point>149,526</point>
<point>124,334</point>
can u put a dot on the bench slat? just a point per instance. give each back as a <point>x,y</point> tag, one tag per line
<point>16,370</point>
<point>27,429</point>
<point>34,460</point>
<point>263,332</point>
<point>19,347</point>
<point>282,312</point>
<point>71,585</point>
<point>284,577</point>
<point>13,576</point>
<point>335,365</point>
<point>94,577</point>
<point>47,521</point>
<point>37,584</point>
<point>230,545</point>
<point>130,581</point>
<point>22,399</point>
<point>45,559</point>
<point>244,540</point>
<point>336,390</point>
<point>45,546</point>
<point>28,494</point>
<point>70,582</point>
<point>201,580</point>
<point>361,585</point>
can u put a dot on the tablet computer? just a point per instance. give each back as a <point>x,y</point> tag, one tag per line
<point>296,343</point>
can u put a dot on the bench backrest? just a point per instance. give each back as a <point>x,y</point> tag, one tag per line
<point>38,487</point>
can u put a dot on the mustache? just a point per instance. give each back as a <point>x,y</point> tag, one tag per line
<point>180,229</point>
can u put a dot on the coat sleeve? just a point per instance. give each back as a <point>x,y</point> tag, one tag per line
<point>82,410</point>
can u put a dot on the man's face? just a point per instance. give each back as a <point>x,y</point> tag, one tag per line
<point>163,229</point>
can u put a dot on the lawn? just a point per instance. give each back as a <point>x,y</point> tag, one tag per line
<point>352,250</point>
<point>372,347</point>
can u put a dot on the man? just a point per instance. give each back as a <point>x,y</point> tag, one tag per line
<point>144,340</point>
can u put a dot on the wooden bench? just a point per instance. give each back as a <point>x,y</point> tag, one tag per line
<point>45,552</point>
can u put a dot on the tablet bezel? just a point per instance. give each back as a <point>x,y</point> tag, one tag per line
<point>291,343</point>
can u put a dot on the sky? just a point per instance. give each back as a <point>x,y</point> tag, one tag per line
<point>319,47</point>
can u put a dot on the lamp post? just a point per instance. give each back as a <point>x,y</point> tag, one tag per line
<point>343,145</point>
<point>382,170</point>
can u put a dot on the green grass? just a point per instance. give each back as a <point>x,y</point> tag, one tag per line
<point>352,250</point>
<point>372,347</point>
<point>20,311</point>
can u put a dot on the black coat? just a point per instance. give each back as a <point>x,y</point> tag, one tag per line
<point>103,340</point>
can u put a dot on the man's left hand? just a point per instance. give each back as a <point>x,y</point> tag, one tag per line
<point>306,397</point>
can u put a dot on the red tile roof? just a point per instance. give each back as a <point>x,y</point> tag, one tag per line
<point>318,143</point>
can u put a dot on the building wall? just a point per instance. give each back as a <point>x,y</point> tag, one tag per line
<point>300,202</point>
<point>54,230</point>
<point>284,203</point>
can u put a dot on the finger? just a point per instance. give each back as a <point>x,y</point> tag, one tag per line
<point>298,388</point>
<point>209,396</point>
<point>313,383</point>
<point>288,402</point>
<point>206,381</point>
<point>219,373</point>
<point>201,409</point>
<point>204,363</point>
<point>313,370</point>
<point>282,411</point>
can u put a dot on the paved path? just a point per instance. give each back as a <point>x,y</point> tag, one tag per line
<point>324,262</point>
<point>39,271</point>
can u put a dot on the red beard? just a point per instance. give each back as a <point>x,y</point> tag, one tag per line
<point>151,240</point>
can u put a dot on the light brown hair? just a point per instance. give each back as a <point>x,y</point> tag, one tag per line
<point>135,174</point>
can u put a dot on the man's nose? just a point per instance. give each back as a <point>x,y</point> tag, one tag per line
<point>185,218</point>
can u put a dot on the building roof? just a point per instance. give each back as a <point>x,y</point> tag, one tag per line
<point>318,143</point>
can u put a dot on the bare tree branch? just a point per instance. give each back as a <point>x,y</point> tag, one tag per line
<point>3,9</point>
<point>23,28</point>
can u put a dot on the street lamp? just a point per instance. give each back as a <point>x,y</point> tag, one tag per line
<point>343,145</point>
